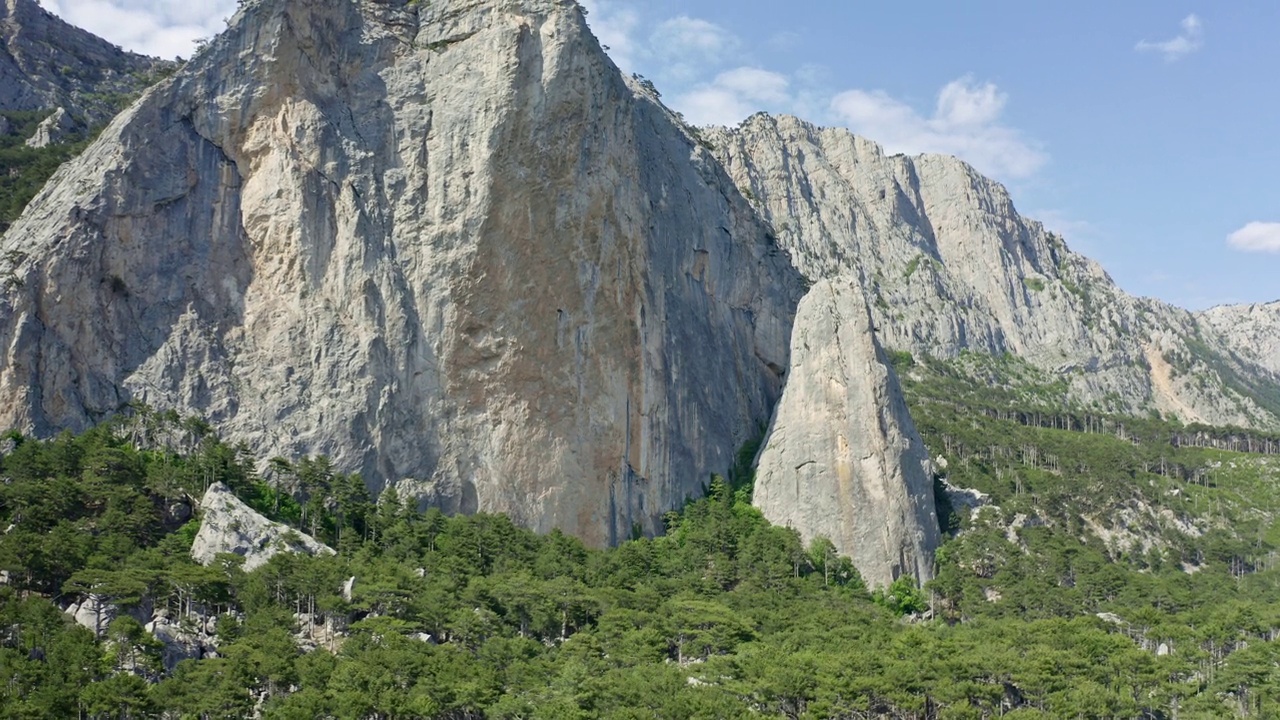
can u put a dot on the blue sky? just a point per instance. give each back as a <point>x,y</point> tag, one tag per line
<point>1143,131</point>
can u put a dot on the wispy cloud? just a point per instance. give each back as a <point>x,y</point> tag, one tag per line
<point>785,41</point>
<point>1188,41</point>
<point>1261,237</point>
<point>165,28</point>
<point>966,122</point>
<point>1063,223</point>
<point>734,95</point>
<point>711,77</point>
<point>686,47</point>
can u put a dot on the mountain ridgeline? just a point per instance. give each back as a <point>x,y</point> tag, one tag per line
<point>49,65</point>
<point>450,246</point>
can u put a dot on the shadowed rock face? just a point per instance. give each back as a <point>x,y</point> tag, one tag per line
<point>444,243</point>
<point>843,459</point>
<point>49,64</point>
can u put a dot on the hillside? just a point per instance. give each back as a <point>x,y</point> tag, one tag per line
<point>48,64</point>
<point>948,264</point>
<point>1111,574</point>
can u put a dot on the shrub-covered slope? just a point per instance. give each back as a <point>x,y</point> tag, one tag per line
<point>724,616</point>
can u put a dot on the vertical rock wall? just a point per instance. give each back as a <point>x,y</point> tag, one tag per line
<point>843,459</point>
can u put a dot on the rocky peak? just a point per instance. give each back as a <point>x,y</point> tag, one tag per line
<point>843,459</point>
<point>50,64</point>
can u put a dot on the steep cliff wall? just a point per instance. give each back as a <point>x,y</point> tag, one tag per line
<point>843,459</point>
<point>444,243</point>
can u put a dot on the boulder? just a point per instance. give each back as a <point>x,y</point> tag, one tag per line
<point>227,525</point>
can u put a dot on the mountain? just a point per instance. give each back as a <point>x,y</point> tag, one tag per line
<point>47,64</point>
<point>949,266</point>
<point>451,247</point>
<point>445,244</point>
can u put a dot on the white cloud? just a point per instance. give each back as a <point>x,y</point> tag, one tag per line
<point>734,95</point>
<point>1063,223</point>
<point>965,123</point>
<point>166,28</point>
<point>703,62</point>
<point>1256,237</point>
<point>1188,41</point>
<point>686,47</point>
<point>785,41</point>
<point>687,38</point>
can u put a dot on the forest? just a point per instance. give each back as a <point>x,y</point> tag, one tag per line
<point>1085,577</point>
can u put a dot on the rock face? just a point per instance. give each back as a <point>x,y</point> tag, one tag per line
<point>50,64</point>
<point>192,640</point>
<point>94,613</point>
<point>948,264</point>
<point>445,244</point>
<point>227,525</point>
<point>56,128</point>
<point>1252,331</point>
<point>843,459</point>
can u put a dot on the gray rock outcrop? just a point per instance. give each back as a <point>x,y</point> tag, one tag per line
<point>1251,331</point>
<point>227,525</point>
<point>93,612</point>
<point>445,244</point>
<point>843,459</point>
<point>48,63</point>
<point>182,641</point>
<point>58,127</point>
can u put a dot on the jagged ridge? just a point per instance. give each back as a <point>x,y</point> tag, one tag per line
<point>948,265</point>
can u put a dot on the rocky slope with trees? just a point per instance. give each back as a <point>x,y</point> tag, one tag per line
<point>48,64</point>
<point>1106,572</point>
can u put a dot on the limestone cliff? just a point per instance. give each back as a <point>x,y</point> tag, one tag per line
<point>445,243</point>
<point>843,459</point>
<point>948,264</point>
<point>49,64</point>
<point>1252,331</point>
